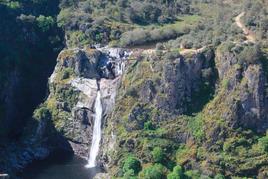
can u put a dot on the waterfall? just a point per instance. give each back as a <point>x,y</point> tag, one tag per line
<point>120,68</point>
<point>94,150</point>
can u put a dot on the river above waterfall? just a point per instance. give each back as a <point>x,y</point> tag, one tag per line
<point>59,166</point>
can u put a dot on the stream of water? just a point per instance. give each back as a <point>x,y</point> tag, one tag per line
<point>94,150</point>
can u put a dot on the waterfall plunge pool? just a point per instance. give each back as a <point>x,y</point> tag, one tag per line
<point>59,165</point>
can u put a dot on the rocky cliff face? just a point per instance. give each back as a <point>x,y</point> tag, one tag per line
<point>241,100</point>
<point>157,94</point>
<point>78,75</point>
<point>245,91</point>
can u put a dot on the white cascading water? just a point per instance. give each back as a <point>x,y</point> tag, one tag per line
<point>94,150</point>
<point>120,68</point>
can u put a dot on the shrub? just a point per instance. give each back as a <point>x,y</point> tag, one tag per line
<point>148,125</point>
<point>131,163</point>
<point>249,54</point>
<point>42,113</point>
<point>263,142</point>
<point>44,22</point>
<point>158,154</point>
<point>156,171</point>
<point>196,125</point>
<point>14,5</point>
<point>130,174</point>
<point>177,173</point>
<point>172,55</point>
<point>226,46</point>
<point>132,92</point>
<point>225,83</point>
<point>64,17</point>
<point>219,176</point>
<point>159,46</point>
<point>194,174</point>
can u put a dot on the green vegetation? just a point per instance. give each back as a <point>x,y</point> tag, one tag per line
<point>125,22</point>
<point>131,165</point>
<point>196,126</point>
<point>264,143</point>
<point>42,113</point>
<point>258,24</point>
<point>158,155</point>
<point>156,171</point>
<point>45,23</point>
<point>11,4</point>
<point>177,173</point>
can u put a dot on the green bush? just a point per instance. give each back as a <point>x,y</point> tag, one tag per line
<point>148,125</point>
<point>226,46</point>
<point>44,22</point>
<point>219,176</point>
<point>131,163</point>
<point>193,174</point>
<point>42,113</point>
<point>130,174</point>
<point>196,126</point>
<point>158,154</point>
<point>249,54</point>
<point>263,142</point>
<point>177,173</point>
<point>156,171</point>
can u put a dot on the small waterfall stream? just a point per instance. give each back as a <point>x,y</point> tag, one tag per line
<point>116,58</point>
<point>94,150</point>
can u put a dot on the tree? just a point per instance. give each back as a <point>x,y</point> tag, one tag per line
<point>42,113</point>
<point>177,173</point>
<point>45,23</point>
<point>131,163</point>
<point>130,174</point>
<point>148,125</point>
<point>156,171</point>
<point>263,142</point>
<point>158,154</point>
<point>219,176</point>
<point>250,54</point>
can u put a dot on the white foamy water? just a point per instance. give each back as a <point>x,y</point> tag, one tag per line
<point>94,150</point>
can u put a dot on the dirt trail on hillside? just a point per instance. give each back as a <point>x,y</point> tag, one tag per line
<point>248,33</point>
<point>182,51</point>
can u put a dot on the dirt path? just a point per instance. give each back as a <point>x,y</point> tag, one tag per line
<point>191,51</point>
<point>248,33</point>
<point>182,51</point>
